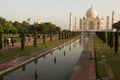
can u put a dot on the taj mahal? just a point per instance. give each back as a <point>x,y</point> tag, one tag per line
<point>91,21</point>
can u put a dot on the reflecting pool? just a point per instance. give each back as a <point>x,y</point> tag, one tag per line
<point>56,65</point>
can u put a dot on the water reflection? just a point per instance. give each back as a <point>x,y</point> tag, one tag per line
<point>56,65</point>
<point>36,74</point>
<point>23,68</point>
<point>54,60</point>
<point>80,41</point>
<point>64,53</point>
<point>60,48</point>
<point>35,61</point>
<point>43,56</point>
<point>1,77</point>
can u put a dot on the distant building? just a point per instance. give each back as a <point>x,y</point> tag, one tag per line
<point>40,21</point>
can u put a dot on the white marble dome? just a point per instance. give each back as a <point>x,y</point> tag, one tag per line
<point>91,13</point>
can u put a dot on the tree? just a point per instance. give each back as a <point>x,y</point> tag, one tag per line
<point>111,40</point>
<point>23,41</point>
<point>16,24</point>
<point>51,31</point>
<point>116,42</point>
<point>117,27</point>
<point>8,27</point>
<point>22,31</point>
<point>2,21</point>
<point>1,31</point>
<point>35,38</point>
<point>59,35</point>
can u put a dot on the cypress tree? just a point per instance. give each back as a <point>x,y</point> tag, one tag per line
<point>116,42</point>
<point>62,35</point>
<point>22,41</point>
<point>50,37</point>
<point>59,35</point>
<point>35,38</point>
<point>111,40</point>
<point>104,38</point>
<point>1,31</point>
<point>44,38</point>
<point>108,38</point>
<point>0,40</point>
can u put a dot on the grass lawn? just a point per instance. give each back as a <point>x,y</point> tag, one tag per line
<point>101,70</point>
<point>104,52</point>
<point>115,64</point>
<point>16,52</point>
<point>99,50</point>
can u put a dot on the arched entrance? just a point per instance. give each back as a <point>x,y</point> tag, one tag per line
<point>91,25</point>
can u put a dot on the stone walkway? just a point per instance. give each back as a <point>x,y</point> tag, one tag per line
<point>85,68</point>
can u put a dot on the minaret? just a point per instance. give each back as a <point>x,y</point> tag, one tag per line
<point>108,23</point>
<point>113,15</point>
<point>70,23</point>
<point>80,24</point>
<point>75,23</point>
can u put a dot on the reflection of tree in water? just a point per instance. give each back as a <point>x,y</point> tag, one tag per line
<point>35,61</point>
<point>74,45</point>
<point>60,48</point>
<point>67,44</point>
<point>43,56</point>
<point>51,53</point>
<point>80,41</point>
<point>70,47</point>
<point>24,68</point>
<point>64,53</point>
<point>84,41</point>
<point>54,60</point>
<point>36,74</point>
<point>1,77</point>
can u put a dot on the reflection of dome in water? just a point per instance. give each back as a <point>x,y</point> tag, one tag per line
<point>91,13</point>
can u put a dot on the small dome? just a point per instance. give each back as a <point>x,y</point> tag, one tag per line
<point>84,17</point>
<point>98,17</point>
<point>91,13</point>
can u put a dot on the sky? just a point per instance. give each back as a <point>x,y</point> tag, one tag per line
<point>56,11</point>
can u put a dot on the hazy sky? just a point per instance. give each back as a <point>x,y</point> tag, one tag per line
<point>56,11</point>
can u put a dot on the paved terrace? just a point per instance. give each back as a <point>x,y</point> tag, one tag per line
<point>85,68</point>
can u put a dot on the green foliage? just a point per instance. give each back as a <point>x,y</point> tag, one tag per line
<point>116,25</point>
<point>102,36</point>
<point>8,27</point>
<point>1,31</point>
<point>0,40</point>
<point>22,30</point>
<point>2,21</point>
<point>16,27</point>
<point>16,24</point>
